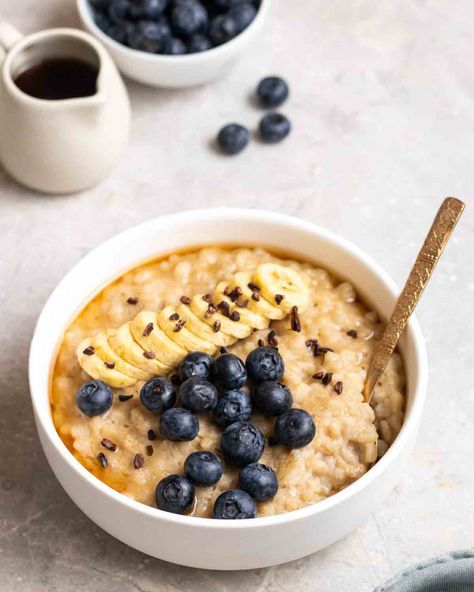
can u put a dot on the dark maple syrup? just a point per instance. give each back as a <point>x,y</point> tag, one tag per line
<point>55,79</point>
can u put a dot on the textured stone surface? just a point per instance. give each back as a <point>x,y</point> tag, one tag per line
<point>382,111</point>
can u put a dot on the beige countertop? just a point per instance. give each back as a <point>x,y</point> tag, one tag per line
<point>382,110</point>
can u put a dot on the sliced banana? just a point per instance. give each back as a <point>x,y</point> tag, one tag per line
<point>106,353</point>
<point>96,367</point>
<point>247,316</point>
<point>235,329</point>
<point>147,332</point>
<point>202,329</point>
<point>174,326</point>
<point>277,280</point>
<point>124,345</point>
<point>260,306</point>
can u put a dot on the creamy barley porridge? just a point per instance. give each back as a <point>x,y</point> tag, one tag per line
<point>350,435</point>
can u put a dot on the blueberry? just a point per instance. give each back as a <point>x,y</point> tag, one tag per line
<point>235,504</point>
<point>233,138</point>
<point>294,428</point>
<point>147,9</point>
<point>195,364</point>
<point>119,10</point>
<point>179,425</point>
<point>188,17</point>
<point>120,32</point>
<point>94,398</point>
<point>264,363</point>
<point>198,43</point>
<point>242,443</point>
<point>243,14</point>
<point>102,21</point>
<point>175,493</point>
<point>222,29</point>
<point>174,46</point>
<point>229,372</point>
<point>259,481</point>
<point>99,4</point>
<point>203,468</point>
<point>158,395</point>
<point>272,398</point>
<point>149,36</point>
<point>233,406</point>
<point>274,127</point>
<point>197,394</point>
<point>272,91</point>
<point>225,4</point>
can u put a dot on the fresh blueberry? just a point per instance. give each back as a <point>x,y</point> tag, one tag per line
<point>102,21</point>
<point>222,29</point>
<point>203,468</point>
<point>197,394</point>
<point>229,372</point>
<point>264,363</point>
<point>259,481</point>
<point>272,91</point>
<point>272,398</point>
<point>242,443</point>
<point>198,43</point>
<point>174,46</point>
<point>120,32</point>
<point>195,364</point>
<point>233,138</point>
<point>226,4</point>
<point>233,406</point>
<point>243,14</point>
<point>119,10</point>
<point>149,36</point>
<point>147,9</point>
<point>175,493</point>
<point>294,428</point>
<point>188,17</point>
<point>94,398</point>
<point>179,425</point>
<point>235,504</point>
<point>274,127</point>
<point>158,395</point>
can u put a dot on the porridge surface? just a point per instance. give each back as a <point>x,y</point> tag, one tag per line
<point>350,435</point>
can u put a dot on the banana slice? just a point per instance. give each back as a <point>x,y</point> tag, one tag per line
<point>277,280</point>
<point>125,346</point>
<point>247,316</point>
<point>174,326</point>
<point>96,367</point>
<point>106,353</point>
<point>149,335</point>
<point>235,329</point>
<point>202,329</point>
<point>260,306</point>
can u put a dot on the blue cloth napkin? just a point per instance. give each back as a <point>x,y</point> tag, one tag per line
<point>452,572</point>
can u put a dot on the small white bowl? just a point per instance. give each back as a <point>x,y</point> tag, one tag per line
<point>175,71</point>
<point>202,542</point>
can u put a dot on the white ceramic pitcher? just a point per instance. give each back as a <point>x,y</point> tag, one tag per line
<point>60,146</point>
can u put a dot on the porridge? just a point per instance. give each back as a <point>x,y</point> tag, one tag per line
<point>324,334</point>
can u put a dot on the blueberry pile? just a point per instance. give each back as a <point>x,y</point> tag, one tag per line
<point>218,386</point>
<point>173,27</point>
<point>274,127</point>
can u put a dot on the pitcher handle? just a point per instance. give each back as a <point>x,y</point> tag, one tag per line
<point>9,36</point>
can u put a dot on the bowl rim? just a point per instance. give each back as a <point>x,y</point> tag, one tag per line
<point>85,14</point>
<point>407,431</point>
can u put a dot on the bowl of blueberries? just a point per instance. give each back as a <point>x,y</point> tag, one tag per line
<point>174,43</point>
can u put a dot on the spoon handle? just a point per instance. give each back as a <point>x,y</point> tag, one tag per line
<point>435,241</point>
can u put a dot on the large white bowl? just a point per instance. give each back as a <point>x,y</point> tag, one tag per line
<point>175,71</point>
<point>201,542</point>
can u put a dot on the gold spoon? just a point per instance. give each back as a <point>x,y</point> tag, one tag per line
<point>435,241</point>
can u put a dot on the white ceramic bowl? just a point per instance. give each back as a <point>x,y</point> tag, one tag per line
<point>201,542</point>
<point>175,71</point>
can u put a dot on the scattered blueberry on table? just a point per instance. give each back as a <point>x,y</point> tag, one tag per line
<point>274,127</point>
<point>94,398</point>
<point>173,27</point>
<point>272,91</point>
<point>235,504</point>
<point>233,138</point>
